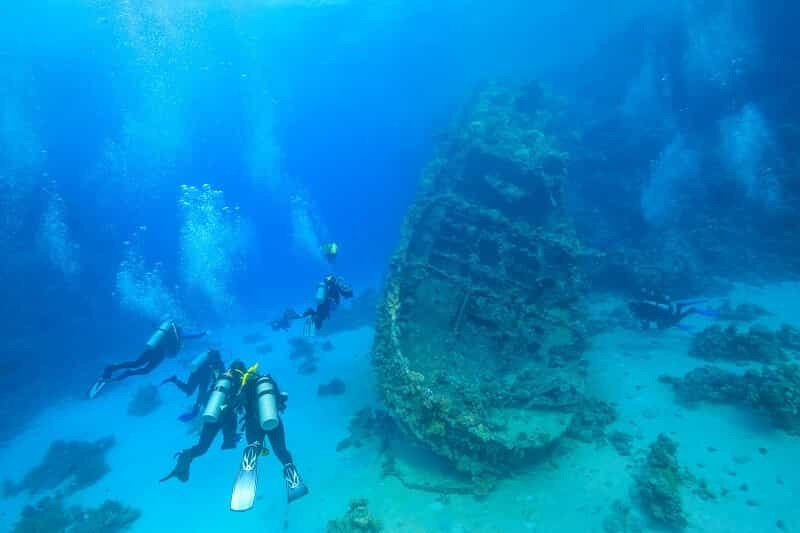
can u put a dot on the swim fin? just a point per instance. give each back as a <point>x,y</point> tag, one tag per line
<point>181,470</point>
<point>295,488</point>
<point>244,488</point>
<point>96,388</point>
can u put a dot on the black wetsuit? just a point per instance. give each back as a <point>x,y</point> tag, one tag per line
<point>168,345</point>
<point>246,402</point>
<point>335,289</point>
<point>663,313</point>
<point>202,380</point>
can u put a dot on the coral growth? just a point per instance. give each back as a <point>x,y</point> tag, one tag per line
<point>307,367</point>
<point>303,350</point>
<point>776,392</point>
<point>622,442</point>
<point>145,401</point>
<point>773,391</point>
<point>79,464</point>
<point>591,419</point>
<point>659,483</point>
<point>50,515</point>
<point>708,383</point>
<point>334,387</point>
<point>357,519</point>
<point>487,252</point>
<point>263,349</point>
<point>758,344</point>
<point>368,425</point>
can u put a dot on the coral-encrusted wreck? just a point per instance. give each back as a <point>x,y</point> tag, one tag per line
<point>479,339</point>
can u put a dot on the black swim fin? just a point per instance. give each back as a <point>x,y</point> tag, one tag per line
<point>181,470</point>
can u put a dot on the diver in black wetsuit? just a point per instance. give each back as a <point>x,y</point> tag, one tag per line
<point>239,391</point>
<point>330,292</point>
<point>201,379</point>
<point>165,342</point>
<point>656,309</point>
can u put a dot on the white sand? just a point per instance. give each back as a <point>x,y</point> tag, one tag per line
<point>572,492</point>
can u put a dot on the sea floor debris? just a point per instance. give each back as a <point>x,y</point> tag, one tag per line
<point>49,515</point>
<point>68,465</point>
<point>357,519</point>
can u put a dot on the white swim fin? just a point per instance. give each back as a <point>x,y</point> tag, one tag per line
<point>243,496</point>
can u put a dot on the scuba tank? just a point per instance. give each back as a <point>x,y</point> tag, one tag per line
<point>200,360</point>
<point>156,338</point>
<point>266,397</point>
<point>321,292</point>
<point>218,398</point>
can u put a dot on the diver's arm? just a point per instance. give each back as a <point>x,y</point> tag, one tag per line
<point>345,289</point>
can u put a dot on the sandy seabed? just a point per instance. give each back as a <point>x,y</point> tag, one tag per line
<point>735,451</point>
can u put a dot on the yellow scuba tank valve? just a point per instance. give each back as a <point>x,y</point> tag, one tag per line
<point>247,374</point>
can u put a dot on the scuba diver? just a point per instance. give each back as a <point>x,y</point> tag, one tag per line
<point>330,250</point>
<point>285,321</point>
<point>656,309</point>
<point>165,342</point>
<point>206,368</point>
<point>330,292</point>
<point>242,391</point>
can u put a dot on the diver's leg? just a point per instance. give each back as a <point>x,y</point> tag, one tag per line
<point>229,434</point>
<point>252,428</point>
<point>295,488</point>
<point>207,435</point>
<point>185,457</point>
<point>155,359</point>
<point>139,361</point>
<point>277,440</point>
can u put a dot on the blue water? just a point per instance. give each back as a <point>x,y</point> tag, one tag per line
<point>189,159</point>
